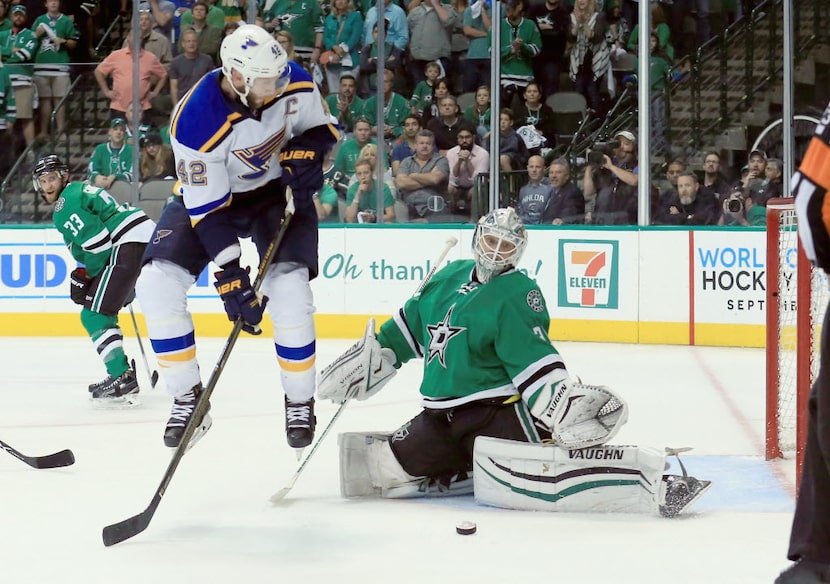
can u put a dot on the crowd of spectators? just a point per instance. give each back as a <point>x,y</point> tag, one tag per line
<point>435,50</point>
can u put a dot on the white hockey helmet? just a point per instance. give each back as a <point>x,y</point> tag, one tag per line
<point>255,54</point>
<point>499,240</point>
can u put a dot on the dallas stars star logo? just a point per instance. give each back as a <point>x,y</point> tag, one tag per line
<point>439,335</point>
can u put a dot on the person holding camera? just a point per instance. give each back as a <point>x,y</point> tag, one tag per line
<point>688,208</point>
<point>466,160</point>
<point>361,201</point>
<point>610,181</point>
<point>741,210</point>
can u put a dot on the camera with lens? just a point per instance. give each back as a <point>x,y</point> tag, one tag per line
<point>598,152</point>
<point>734,204</point>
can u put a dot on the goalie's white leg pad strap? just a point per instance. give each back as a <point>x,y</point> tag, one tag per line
<point>518,475</point>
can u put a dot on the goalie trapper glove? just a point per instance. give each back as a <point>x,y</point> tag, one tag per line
<point>78,284</point>
<point>234,287</point>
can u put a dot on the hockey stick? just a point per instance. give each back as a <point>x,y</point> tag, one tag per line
<point>62,458</point>
<point>154,376</point>
<point>126,529</point>
<point>280,495</point>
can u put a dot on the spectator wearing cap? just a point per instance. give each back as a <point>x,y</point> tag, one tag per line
<point>119,64</point>
<point>189,66</point>
<point>18,46</point>
<point>773,184</point>
<point>155,160</point>
<point>57,36</point>
<point>756,165</point>
<point>112,162</point>
<point>611,190</point>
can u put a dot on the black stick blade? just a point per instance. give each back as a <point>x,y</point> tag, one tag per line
<point>57,460</point>
<point>118,532</point>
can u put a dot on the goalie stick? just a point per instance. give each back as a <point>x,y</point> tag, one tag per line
<point>118,532</point>
<point>280,495</point>
<point>57,460</point>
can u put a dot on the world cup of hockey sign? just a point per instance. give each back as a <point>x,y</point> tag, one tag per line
<point>588,274</point>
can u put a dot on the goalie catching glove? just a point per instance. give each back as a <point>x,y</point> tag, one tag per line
<point>360,372</point>
<point>577,415</point>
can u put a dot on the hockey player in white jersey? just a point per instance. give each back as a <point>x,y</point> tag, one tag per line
<point>501,414</point>
<point>241,136</point>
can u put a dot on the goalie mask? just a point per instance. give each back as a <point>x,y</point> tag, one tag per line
<point>498,243</point>
<point>259,58</point>
<point>47,185</point>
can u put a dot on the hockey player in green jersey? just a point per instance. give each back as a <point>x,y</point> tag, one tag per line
<point>108,238</point>
<point>494,387</point>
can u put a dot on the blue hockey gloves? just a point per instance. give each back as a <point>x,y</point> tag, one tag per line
<point>234,286</point>
<point>78,284</point>
<point>302,167</point>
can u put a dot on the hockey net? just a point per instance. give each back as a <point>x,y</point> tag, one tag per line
<point>796,301</point>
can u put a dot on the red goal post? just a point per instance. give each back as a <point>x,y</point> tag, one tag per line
<point>796,300</point>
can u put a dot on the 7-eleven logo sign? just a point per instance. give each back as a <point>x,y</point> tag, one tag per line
<point>588,274</point>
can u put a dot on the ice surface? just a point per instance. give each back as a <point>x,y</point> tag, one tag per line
<point>215,523</point>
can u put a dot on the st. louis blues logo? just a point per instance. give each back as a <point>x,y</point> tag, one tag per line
<point>161,234</point>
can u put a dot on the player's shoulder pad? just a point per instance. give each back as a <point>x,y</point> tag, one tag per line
<point>300,80</point>
<point>203,117</point>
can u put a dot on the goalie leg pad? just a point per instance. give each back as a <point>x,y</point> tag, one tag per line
<point>542,477</point>
<point>368,468</point>
<point>361,371</point>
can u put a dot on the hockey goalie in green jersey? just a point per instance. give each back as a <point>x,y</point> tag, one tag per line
<point>108,239</point>
<point>501,415</point>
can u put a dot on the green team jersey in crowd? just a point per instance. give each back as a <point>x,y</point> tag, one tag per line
<point>394,113</point>
<point>8,107</point>
<point>91,222</point>
<point>106,160</point>
<point>302,18</point>
<point>26,44</point>
<point>52,59</point>
<point>477,341</point>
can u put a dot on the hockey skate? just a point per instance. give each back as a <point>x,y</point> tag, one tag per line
<point>182,411</point>
<point>805,571</point>
<point>116,392</point>
<point>99,384</point>
<point>299,423</point>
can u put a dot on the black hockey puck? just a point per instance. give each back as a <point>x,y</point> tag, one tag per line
<point>465,528</point>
